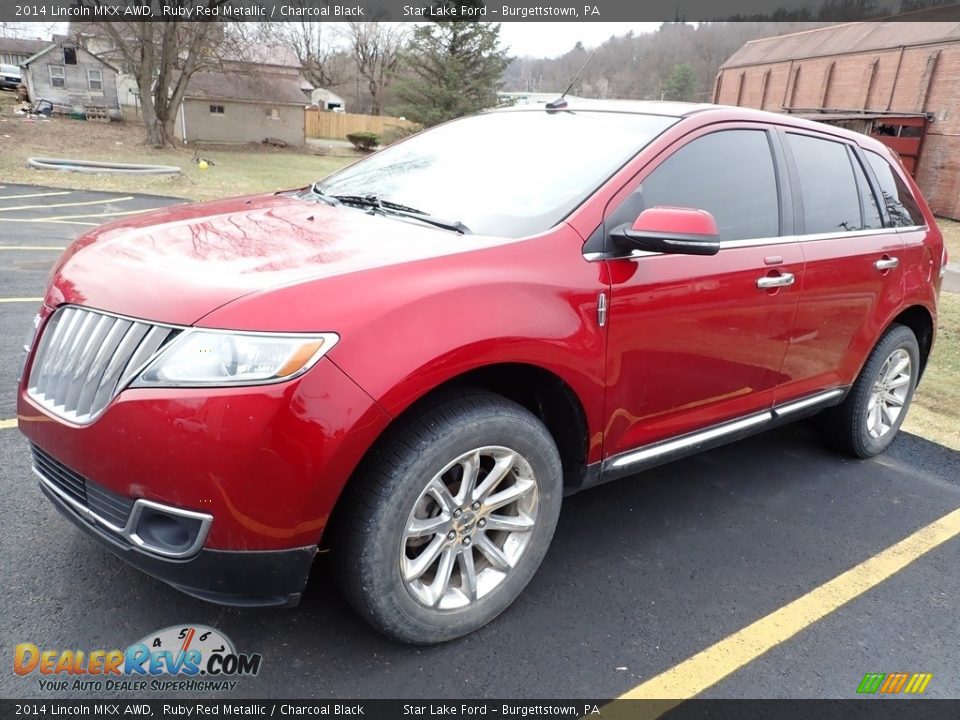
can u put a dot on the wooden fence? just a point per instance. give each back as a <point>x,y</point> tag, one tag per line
<point>323,124</point>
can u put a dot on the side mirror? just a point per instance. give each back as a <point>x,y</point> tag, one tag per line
<point>677,230</point>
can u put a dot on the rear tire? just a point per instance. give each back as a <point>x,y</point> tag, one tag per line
<point>449,518</point>
<point>869,418</point>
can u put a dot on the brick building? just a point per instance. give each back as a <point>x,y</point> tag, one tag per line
<point>898,81</point>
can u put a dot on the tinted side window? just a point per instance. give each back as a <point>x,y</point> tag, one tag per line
<point>871,211</point>
<point>901,206</point>
<point>831,201</point>
<point>730,174</point>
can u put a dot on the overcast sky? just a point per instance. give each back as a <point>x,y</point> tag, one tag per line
<point>549,39</point>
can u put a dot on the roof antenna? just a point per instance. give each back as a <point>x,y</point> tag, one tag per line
<point>560,103</point>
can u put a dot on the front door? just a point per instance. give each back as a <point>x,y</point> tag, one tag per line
<point>692,340</point>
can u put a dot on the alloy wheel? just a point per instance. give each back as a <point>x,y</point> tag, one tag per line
<point>889,394</point>
<point>469,528</point>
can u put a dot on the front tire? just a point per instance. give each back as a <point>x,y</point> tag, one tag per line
<point>450,518</point>
<point>868,419</point>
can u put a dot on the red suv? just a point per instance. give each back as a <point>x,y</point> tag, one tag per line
<point>415,359</point>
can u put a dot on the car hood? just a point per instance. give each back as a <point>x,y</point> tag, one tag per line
<point>178,264</point>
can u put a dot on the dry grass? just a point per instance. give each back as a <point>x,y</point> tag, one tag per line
<point>238,170</point>
<point>935,413</point>
<point>951,238</point>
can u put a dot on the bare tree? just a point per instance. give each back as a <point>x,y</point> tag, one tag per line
<point>28,30</point>
<point>637,65</point>
<point>163,56</point>
<point>377,49</point>
<point>317,46</point>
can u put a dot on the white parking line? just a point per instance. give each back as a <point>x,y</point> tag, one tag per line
<point>31,195</point>
<point>71,218</point>
<point>70,204</point>
<point>21,300</point>
<point>33,247</point>
<point>45,220</point>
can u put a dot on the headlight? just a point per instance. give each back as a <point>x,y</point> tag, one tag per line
<point>32,335</point>
<point>28,343</point>
<point>204,357</point>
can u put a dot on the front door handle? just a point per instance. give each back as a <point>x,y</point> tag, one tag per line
<point>886,263</point>
<point>775,281</point>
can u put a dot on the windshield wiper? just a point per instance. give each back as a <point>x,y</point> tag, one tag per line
<point>377,204</point>
<point>322,196</point>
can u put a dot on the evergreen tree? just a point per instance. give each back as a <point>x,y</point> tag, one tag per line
<point>454,68</point>
<point>681,83</point>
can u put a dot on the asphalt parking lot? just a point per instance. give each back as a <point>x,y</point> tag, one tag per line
<point>644,573</point>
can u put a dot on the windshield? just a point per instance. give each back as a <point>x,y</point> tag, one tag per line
<point>510,174</point>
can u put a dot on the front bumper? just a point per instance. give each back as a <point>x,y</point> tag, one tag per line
<point>266,578</point>
<point>266,464</point>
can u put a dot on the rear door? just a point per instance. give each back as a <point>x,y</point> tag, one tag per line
<point>853,273</point>
<point>693,340</point>
<point>902,213</point>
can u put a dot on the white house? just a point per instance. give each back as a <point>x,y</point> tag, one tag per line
<point>327,100</point>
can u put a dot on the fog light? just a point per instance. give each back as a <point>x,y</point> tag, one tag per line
<point>163,531</point>
<point>167,531</point>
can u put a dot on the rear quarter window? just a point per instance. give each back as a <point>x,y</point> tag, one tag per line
<point>901,206</point>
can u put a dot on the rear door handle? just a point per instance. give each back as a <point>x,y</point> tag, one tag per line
<point>775,281</point>
<point>887,263</point>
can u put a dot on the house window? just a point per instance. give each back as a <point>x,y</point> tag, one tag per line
<point>273,113</point>
<point>216,109</point>
<point>69,56</point>
<point>56,75</point>
<point>94,79</point>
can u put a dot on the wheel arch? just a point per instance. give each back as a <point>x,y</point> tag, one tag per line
<point>546,395</point>
<point>542,392</point>
<point>920,320</point>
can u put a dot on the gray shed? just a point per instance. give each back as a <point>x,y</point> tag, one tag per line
<point>235,107</point>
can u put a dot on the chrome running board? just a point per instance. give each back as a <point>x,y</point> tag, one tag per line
<point>658,453</point>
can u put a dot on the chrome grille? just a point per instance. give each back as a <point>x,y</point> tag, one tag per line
<point>110,506</point>
<point>84,358</point>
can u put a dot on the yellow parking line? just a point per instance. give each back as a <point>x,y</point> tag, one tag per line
<point>4,424</point>
<point>32,247</point>
<point>18,300</point>
<point>71,204</point>
<point>710,666</point>
<point>48,194</point>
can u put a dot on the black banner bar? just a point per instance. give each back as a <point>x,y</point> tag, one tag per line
<point>47,11</point>
<point>872,709</point>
